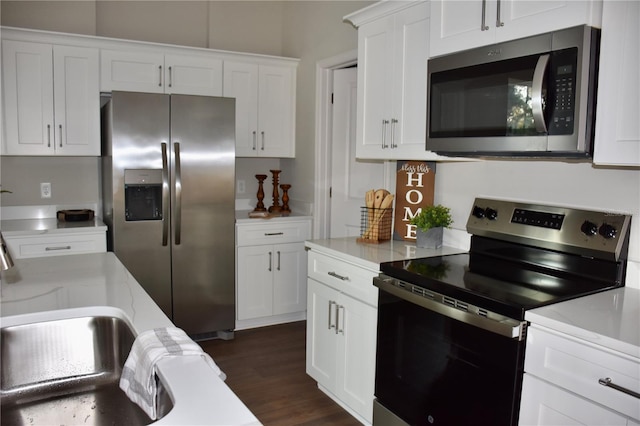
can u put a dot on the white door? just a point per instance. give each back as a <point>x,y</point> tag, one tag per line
<point>350,178</point>
<point>321,333</point>
<point>289,278</point>
<point>241,82</point>
<point>255,282</point>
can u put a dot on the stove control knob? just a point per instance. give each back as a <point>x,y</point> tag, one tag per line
<point>478,212</point>
<point>589,228</point>
<point>491,213</point>
<point>607,231</point>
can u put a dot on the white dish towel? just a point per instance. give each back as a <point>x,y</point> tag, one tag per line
<point>138,379</point>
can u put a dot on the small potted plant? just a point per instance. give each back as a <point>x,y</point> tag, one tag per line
<point>430,223</point>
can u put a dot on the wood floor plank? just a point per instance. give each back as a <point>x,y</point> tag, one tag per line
<point>265,367</point>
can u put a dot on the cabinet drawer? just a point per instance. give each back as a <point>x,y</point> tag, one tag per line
<point>56,245</point>
<point>346,278</point>
<point>281,232</point>
<point>578,366</point>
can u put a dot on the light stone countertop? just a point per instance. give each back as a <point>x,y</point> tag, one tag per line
<point>24,227</point>
<point>50,288</point>
<point>610,319</point>
<point>370,256</point>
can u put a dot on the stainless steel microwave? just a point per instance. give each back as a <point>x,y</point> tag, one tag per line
<point>533,97</point>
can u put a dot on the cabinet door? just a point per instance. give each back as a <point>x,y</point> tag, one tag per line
<point>77,101</point>
<point>544,404</point>
<point>459,25</point>
<point>241,82</point>
<point>289,278</point>
<point>27,73</point>
<point>375,74</point>
<point>193,75</point>
<point>411,51</point>
<point>255,281</point>
<point>617,139</point>
<point>321,333</point>
<point>276,111</point>
<point>523,18</point>
<point>356,355</point>
<point>132,71</point>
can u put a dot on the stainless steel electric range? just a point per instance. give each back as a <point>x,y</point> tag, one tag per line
<point>451,329</point>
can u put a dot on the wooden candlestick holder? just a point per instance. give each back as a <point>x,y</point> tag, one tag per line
<point>260,206</point>
<point>275,208</point>
<point>285,199</point>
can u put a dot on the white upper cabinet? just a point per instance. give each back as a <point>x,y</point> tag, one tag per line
<point>144,71</point>
<point>393,45</point>
<point>462,25</point>
<point>265,108</point>
<point>617,139</point>
<point>51,99</point>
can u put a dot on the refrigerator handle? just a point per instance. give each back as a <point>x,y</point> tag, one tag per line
<point>178,190</point>
<point>165,195</point>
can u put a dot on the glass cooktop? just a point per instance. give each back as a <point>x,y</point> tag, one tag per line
<point>504,286</point>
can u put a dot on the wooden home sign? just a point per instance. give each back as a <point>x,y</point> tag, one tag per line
<point>415,186</point>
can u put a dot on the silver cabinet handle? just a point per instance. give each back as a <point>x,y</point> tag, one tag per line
<point>609,383</point>
<point>270,261</point>
<point>57,248</point>
<point>337,317</point>
<point>48,135</point>
<point>278,268</point>
<point>159,75</point>
<point>499,22</point>
<point>393,131</point>
<point>384,133</point>
<point>170,77</point>
<point>537,106</point>
<point>483,26</point>
<point>340,277</point>
<point>178,190</point>
<point>269,234</point>
<point>165,195</point>
<point>60,127</point>
<point>262,133</point>
<point>340,329</point>
<point>254,140</point>
<point>330,325</point>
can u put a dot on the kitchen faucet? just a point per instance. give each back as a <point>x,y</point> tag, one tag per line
<point>6,261</point>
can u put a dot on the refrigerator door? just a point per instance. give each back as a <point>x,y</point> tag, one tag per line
<point>203,213</point>
<point>137,127</point>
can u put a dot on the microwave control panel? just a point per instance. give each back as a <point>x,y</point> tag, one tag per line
<point>562,81</point>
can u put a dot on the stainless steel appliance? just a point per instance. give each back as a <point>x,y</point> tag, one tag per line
<point>169,195</point>
<point>529,97</point>
<point>451,329</point>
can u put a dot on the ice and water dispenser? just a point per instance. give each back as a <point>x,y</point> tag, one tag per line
<point>143,194</point>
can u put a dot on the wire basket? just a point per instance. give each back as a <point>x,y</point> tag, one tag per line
<point>375,225</point>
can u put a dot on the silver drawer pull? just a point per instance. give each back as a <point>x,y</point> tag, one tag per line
<point>269,234</point>
<point>609,383</point>
<point>340,277</point>
<point>58,248</point>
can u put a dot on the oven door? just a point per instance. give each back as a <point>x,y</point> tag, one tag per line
<point>433,367</point>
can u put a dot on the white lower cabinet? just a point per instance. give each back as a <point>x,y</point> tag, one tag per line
<point>58,244</point>
<point>341,332</point>
<point>563,382</point>
<point>271,272</point>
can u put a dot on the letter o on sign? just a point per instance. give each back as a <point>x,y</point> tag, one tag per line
<point>413,196</point>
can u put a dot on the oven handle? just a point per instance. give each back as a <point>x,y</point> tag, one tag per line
<point>506,327</point>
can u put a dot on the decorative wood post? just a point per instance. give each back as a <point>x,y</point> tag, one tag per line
<point>260,206</point>
<point>285,198</point>
<point>275,208</point>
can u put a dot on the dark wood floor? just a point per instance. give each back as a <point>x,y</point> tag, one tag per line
<point>265,367</point>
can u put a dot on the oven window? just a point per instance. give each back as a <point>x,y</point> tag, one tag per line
<point>433,370</point>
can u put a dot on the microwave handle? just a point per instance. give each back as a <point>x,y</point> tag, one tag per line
<point>536,88</point>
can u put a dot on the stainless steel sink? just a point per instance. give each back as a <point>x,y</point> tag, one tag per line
<point>66,372</point>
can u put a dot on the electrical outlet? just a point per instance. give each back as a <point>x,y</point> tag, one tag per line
<point>241,187</point>
<point>45,190</point>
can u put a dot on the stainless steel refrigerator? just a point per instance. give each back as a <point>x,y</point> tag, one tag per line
<point>168,172</point>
